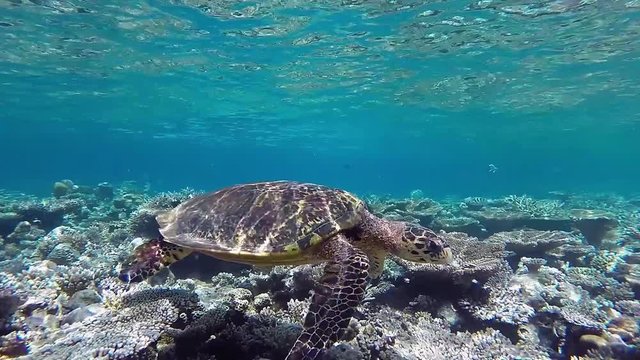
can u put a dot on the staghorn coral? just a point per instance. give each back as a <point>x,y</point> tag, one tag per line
<point>271,281</point>
<point>301,280</point>
<point>225,279</point>
<point>282,283</point>
<point>296,310</point>
<point>236,298</point>
<point>379,291</point>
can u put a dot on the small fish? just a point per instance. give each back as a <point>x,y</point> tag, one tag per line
<point>492,168</point>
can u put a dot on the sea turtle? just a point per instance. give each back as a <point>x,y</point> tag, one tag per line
<point>291,223</point>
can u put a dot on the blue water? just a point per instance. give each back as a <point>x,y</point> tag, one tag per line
<point>375,98</point>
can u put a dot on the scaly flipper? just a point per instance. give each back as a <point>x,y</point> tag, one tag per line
<point>376,262</point>
<point>149,258</point>
<point>341,290</point>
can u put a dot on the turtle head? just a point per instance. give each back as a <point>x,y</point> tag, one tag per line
<point>422,245</point>
<point>148,259</point>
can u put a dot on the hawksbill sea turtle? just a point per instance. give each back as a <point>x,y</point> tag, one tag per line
<point>291,223</point>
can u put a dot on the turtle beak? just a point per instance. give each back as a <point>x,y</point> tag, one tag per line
<point>441,253</point>
<point>447,255</point>
<point>129,273</point>
<point>124,276</point>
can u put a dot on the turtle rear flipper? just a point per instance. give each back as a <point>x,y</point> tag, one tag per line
<point>341,290</point>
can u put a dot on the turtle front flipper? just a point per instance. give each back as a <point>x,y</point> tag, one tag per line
<point>149,258</point>
<point>376,262</point>
<point>341,290</point>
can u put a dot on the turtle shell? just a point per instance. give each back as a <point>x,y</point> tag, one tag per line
<point>278,219</point>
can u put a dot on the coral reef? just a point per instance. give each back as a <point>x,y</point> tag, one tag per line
<point>136,321</point>
<point>533,242</point>
<point>531,278</point>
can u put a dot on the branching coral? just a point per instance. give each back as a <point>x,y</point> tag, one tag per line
<point>563,290</point>
<point>419,336</point>
<point>516,298</point>
<point>263,336</point>
<point>506,301</point>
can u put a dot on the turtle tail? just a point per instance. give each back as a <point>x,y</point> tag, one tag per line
<point>341,290</point>
<point>149,258</point>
